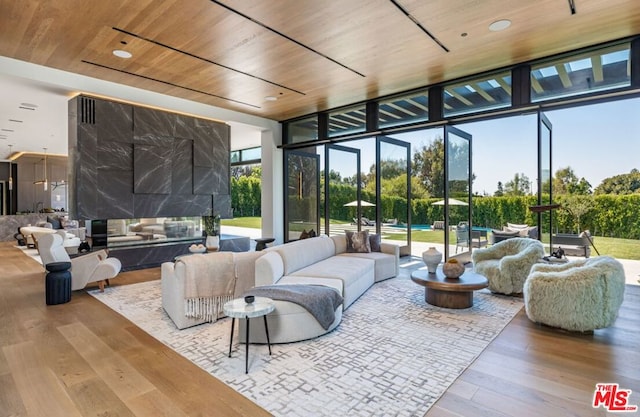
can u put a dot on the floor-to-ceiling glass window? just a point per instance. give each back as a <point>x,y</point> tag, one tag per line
<point>393,176</point>
<point>302,172</point>
<point>545,192</point>
<point>343,204</point>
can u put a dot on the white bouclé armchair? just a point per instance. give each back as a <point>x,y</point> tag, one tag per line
<point>92,267</point>
<point>507,263</point>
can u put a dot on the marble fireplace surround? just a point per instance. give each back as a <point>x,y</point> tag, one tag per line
<point>128,161</point>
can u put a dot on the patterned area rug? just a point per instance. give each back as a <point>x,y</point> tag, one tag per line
<point>392,355</point>
<point>32,253</point>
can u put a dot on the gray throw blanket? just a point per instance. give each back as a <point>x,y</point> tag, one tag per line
<point>319,300</point>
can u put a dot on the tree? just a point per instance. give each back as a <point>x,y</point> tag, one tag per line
<point>500,190</point>
<point>620,184</point>
<point>519,185</point>
<point>566,182</point>
<point>577,206</point>
<point>428,166</point>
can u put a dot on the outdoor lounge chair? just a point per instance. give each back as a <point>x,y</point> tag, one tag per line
<point>478,238</point>
<point>438,225</point>
<point>366,222</point>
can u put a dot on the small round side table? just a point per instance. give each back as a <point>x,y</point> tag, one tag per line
<point>58,283</point>
<point>239,309</point>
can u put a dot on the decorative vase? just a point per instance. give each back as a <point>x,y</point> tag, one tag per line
<point>212,243</point>
<point>432,258</point>
<point>452,268</point>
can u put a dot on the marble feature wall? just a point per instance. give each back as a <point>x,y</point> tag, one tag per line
<point>131,162</point>
<point>9,225</point>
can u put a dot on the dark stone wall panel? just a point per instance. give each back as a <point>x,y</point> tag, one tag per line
<point>115,195</point>
<point>153,122</point>
<point>150,256</point>
<point>222,205</point>
<point>185,157</point>
<point>115,155</point>
<point>185,127</point>
<point>114,121</point>
<point>203,152</point>
<point>152,169</point>
<point>155,205</point>
<point>204,180</point>
<point>85,172</point>
<point>182,172</point>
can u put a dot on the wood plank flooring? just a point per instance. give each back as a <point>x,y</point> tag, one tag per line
<point>83,359</point>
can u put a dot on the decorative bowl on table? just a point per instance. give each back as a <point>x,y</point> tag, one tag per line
<point>249,299</point>
<point>452,268</point>
<point>200,248</point>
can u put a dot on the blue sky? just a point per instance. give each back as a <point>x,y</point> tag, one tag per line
<point>597,141</point>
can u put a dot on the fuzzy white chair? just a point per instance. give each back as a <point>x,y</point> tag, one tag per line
<point>92,267</point>
<point>507,264</point>
<point>581,295</point>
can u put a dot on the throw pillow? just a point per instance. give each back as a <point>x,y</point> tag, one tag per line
<point>374,242</point>
<point>55,222</point>
<point>358,242</point>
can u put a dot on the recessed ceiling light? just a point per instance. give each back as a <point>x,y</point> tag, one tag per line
<point>271,98</point>
<point>499,25</point>
<point>15,120</point>
<point>122,54</point>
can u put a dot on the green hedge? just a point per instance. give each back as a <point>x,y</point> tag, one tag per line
<point>604,215</point>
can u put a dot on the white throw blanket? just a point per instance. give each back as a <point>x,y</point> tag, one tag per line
<point>208,284</point>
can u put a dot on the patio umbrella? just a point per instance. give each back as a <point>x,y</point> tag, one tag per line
<point>363,203</point>
<point>452,202</point>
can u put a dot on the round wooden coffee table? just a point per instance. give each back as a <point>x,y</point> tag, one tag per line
<point>446,292</point>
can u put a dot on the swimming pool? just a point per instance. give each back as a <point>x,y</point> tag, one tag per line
<point>428,227</point>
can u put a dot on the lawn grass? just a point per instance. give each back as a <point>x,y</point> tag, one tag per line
<point>617,248</point>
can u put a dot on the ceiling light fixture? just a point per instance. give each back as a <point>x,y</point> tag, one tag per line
<point>271,98</point>
<point>29,105</point>
<point>44,182</point>
<point>122,54</point>
<point>499,25</point>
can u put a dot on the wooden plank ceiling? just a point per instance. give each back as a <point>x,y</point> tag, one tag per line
<point>310,54</point>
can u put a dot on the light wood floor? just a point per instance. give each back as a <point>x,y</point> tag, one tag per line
<point>83,359</point>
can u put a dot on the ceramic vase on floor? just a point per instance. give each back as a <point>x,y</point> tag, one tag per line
<point>432,258</point>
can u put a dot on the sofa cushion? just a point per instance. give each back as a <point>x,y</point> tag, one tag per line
<point>358,242</point>
<point>357,274</point>
<point>374,241</point>
<point>296,255</point>
<point>55,222</point>
<point>385,264</point>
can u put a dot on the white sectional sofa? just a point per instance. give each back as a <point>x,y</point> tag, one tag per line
<point>173,281</point>
<point>321,260</point>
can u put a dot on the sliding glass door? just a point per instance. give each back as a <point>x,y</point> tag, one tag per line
<point>343,187</point>
<point>302,204</point>
<point>393,180</point>
<point>457,190</point>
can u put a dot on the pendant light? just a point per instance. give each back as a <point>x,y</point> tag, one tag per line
<point>10,173</point>
<point>46,183</point>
